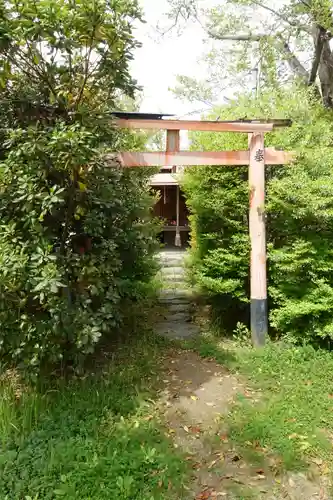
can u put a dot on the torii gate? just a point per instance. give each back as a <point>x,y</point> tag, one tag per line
<point>256,157</point>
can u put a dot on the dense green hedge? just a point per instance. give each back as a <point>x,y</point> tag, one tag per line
<point>299,219</point>
<point>70,253</point>
<point>76,238</point>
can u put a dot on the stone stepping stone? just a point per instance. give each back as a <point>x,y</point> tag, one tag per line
<point>175,308</point>
<point>179,316</point>
<point>173,330</point>
<point>173,270</point>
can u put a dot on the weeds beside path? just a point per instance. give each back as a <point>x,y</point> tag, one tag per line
<point>203,420</point>
<point>268,423</point>
<point>94,438</point>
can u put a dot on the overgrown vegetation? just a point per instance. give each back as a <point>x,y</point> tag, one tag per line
<point>299,219</point>
<point>286,417</point>
<point>75,241</point>
<point>95,437</point>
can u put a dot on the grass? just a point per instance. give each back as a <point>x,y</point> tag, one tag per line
<point>290,412</point>
<point>97,438</point>
<point>293,415</point>
<point>101,437</point>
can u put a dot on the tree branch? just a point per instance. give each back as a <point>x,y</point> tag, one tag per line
<point>305,3</point>
<point>319,45</point>
<point>281,16</point>
<point>237,38</point>
<point>43,73</point>
<point>292,60</point>
<point>294,63</point>
<point>87,61</point>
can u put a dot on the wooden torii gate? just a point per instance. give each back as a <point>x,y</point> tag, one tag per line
<point>256,157</point>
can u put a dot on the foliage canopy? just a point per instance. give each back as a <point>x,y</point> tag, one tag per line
<point>275,42</point>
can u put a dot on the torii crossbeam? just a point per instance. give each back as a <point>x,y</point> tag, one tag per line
<point>256,157</point>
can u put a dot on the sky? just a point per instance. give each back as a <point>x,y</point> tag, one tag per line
<point>160,59</point>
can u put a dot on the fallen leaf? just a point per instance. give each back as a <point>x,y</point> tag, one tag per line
<point>195,398</point>
<point>207,495</point>
<point>195,429</point>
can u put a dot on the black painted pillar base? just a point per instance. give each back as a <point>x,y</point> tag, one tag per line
<point>259,323</point>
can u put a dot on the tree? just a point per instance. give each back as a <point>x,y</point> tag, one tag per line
<point>75,241</point>
<point>299,219</point>
<point>287,40</point>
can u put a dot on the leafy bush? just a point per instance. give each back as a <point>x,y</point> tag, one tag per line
<point>75,235</point>
<point>299,218</point>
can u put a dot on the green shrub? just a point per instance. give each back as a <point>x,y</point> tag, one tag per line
<point>299,218</point>
<point>76,238</point>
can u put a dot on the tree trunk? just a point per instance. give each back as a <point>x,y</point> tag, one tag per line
<point>325,73</point>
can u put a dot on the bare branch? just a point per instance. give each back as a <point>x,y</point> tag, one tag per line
<point>281,16</point>
<point>305,3</point>
<point>237,38</point>
<point>292,60</point>
<point>173,25</point>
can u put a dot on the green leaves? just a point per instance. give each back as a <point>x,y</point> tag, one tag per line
<point>77,52</point>
<point>76,239</point>
<point>299,219</point>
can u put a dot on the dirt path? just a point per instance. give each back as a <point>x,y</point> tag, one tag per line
<point>197,394</point>
<point>195,401</point>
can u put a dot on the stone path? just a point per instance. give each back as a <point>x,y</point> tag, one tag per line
<point>176,297</point>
